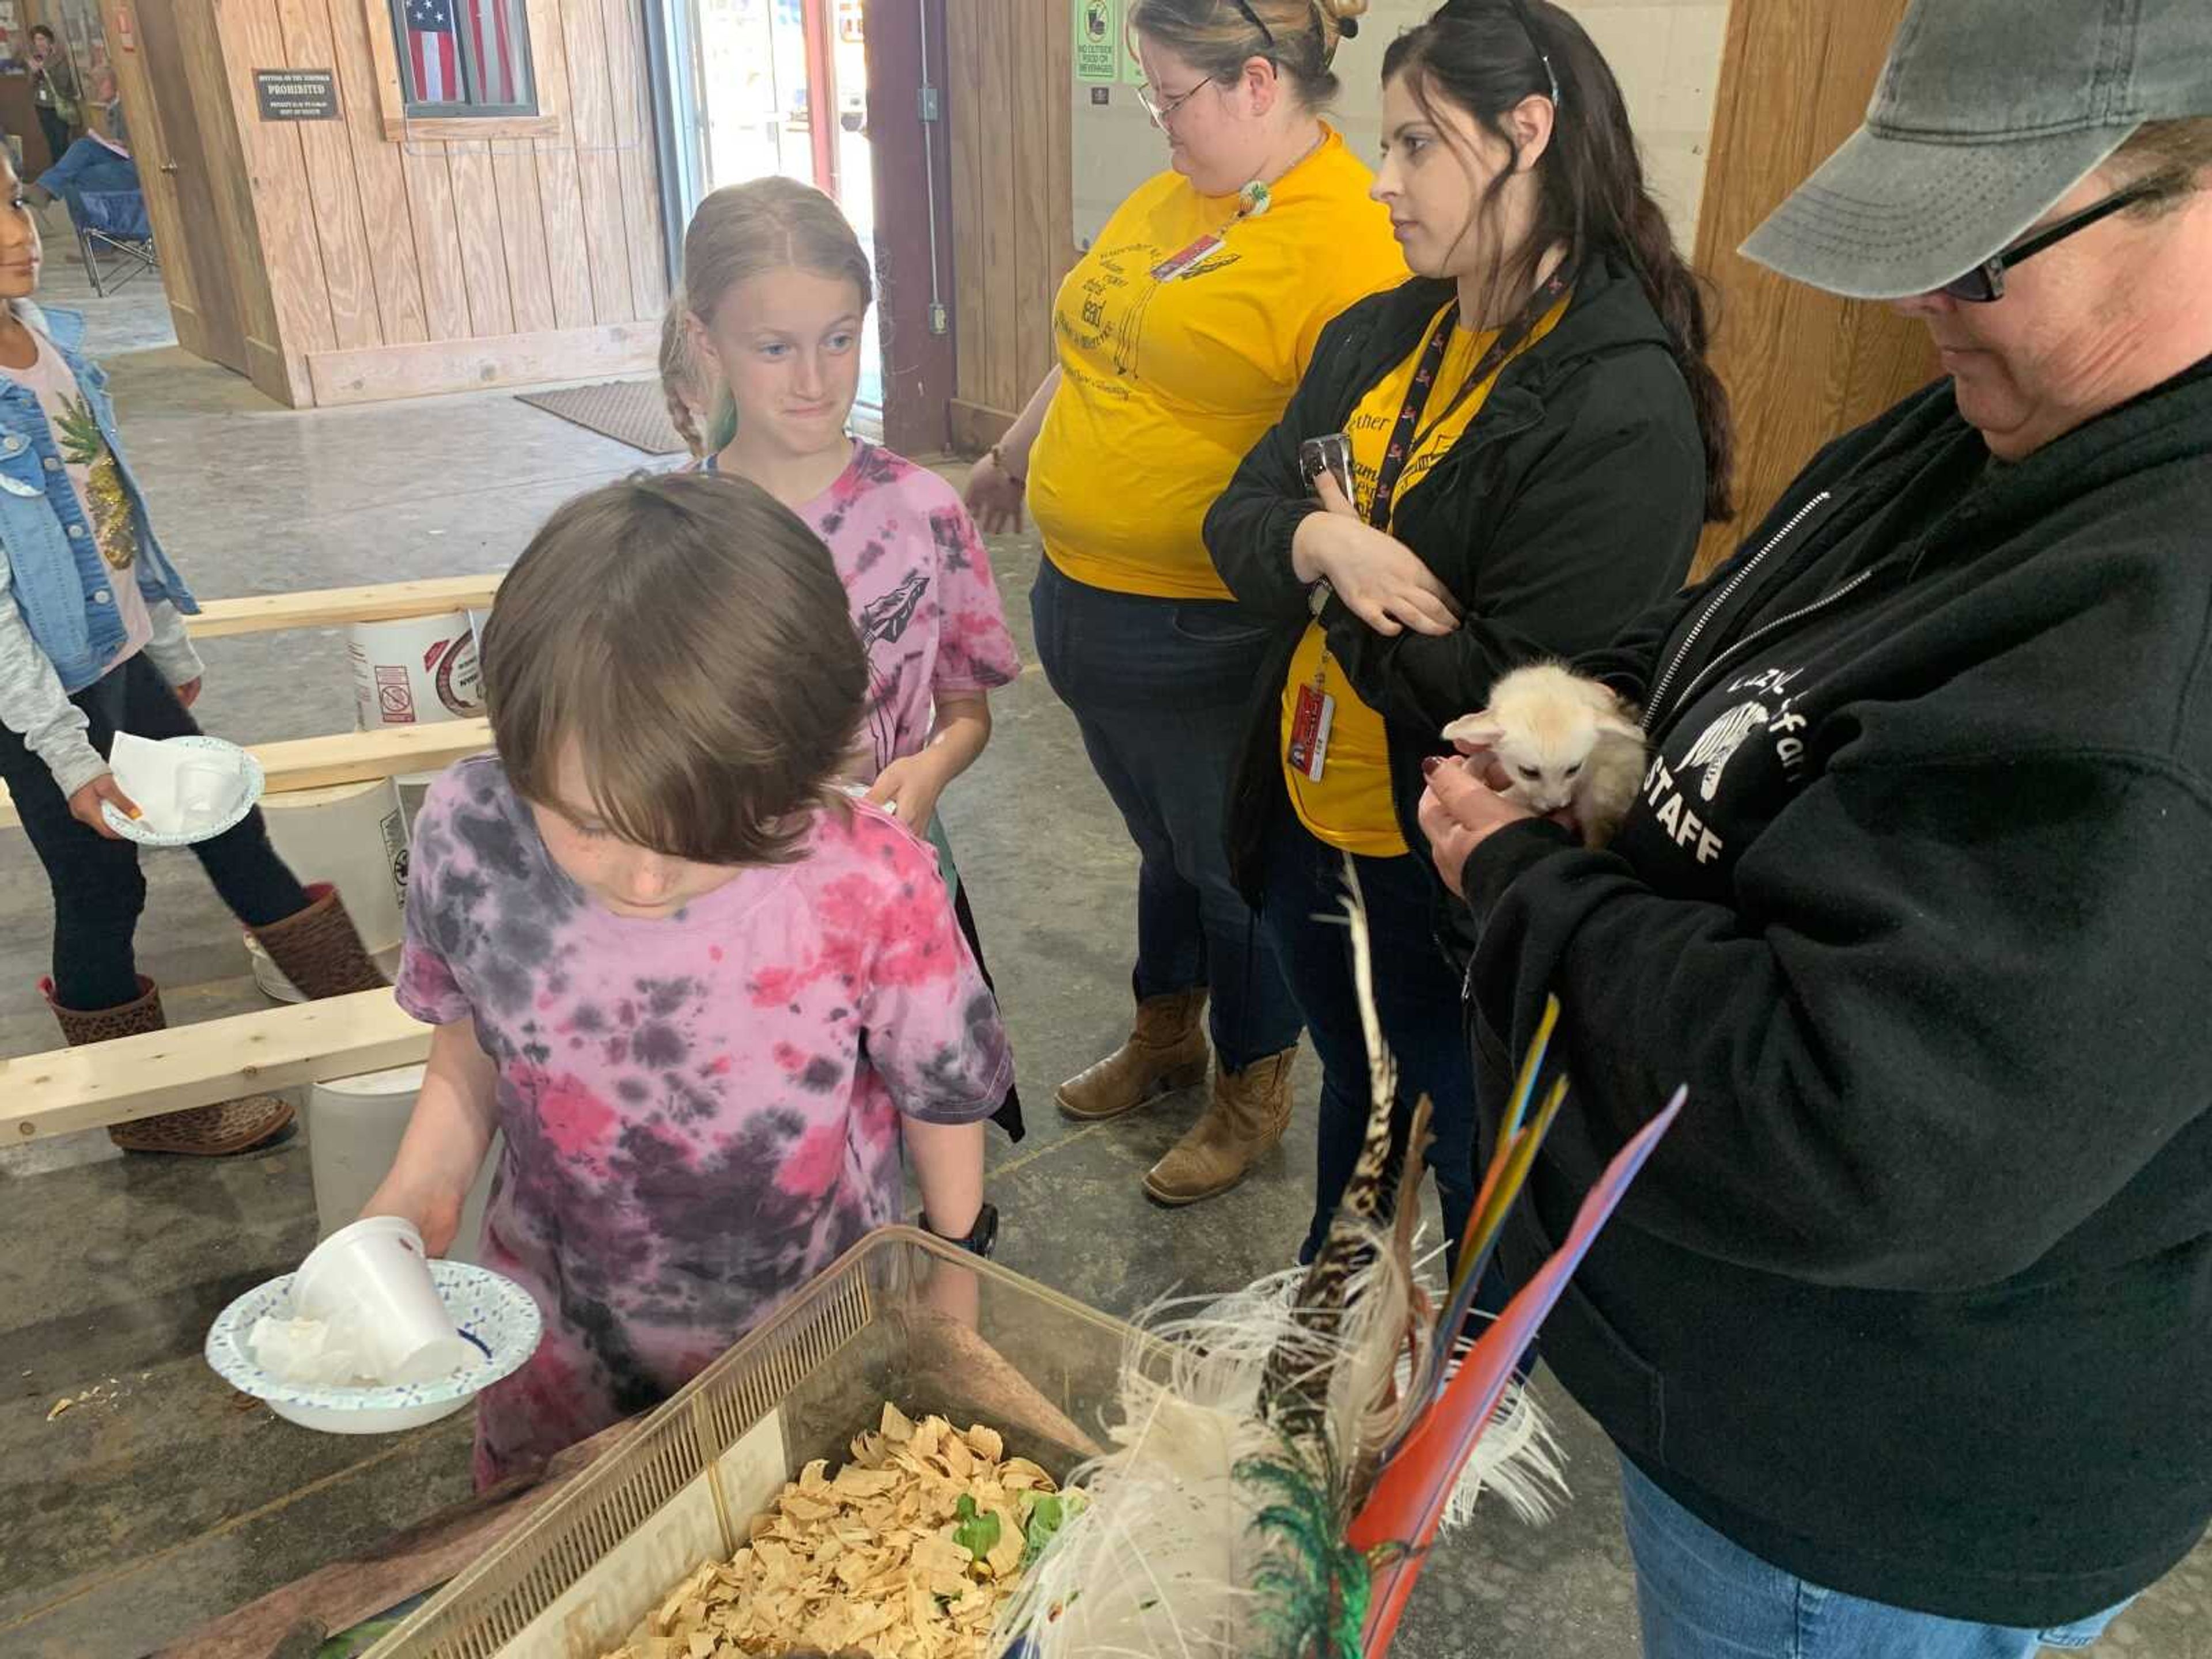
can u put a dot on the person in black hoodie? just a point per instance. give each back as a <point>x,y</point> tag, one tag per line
<point>1905,1332</point>
<point>1534,439</point>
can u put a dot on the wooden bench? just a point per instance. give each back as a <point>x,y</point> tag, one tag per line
<point>131,1077</point>
<point>334,607</point>
<point>353,757</point>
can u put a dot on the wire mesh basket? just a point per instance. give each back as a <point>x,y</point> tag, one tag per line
<point>900,1318</point>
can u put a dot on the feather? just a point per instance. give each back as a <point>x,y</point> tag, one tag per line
<point>1414,1491</point>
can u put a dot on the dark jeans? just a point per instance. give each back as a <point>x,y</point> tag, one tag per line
<point>1160,689</point>
<point>1417,997</point>
<point>57,132</point>
<point>98,890</point>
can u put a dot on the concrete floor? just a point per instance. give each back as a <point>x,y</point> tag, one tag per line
<point>169,1500</point>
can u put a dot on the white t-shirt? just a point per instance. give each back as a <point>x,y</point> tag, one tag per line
<point>93,472</point>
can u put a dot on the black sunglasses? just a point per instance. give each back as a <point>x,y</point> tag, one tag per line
<point>1986,282</point>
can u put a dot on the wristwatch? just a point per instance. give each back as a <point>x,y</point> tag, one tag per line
<point>1317,597</point>
<point>982,1240</point>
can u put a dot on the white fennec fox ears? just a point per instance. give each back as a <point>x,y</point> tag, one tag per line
<point>1565,742</point>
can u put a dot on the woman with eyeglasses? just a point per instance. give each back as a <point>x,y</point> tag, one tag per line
<point>1535,439</point>
<point>1905,1334</point>
<point>1180,337</point>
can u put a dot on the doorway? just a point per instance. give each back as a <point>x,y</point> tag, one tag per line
<point>781,89</point>
<point>172,156</point>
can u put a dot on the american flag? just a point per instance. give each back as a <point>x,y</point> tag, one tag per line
<point>433,51</point>
<point>491,28</point>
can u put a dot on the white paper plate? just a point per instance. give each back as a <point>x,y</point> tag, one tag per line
<point>249,768</point>
<point>496,1314</point>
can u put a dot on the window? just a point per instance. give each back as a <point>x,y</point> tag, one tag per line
<point>464,57</point>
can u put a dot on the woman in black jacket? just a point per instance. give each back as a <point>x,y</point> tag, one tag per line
<point>1498,515</point>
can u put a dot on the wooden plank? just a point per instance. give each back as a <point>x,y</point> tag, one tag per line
<point>606,252</point>
<point>350,1592</point>
<point>236,261</point>
<point>334,607</point>
<point>483,255</point>
<point>1795,81</point>
<point>131,1077</point>
<point>1059,140</point>
<point>437,239</point>
<point>974,427</point>
<point>142,111</point>
<point>333,193</point>
<point>390,751</point>
<point>1002,294</point>
<point>276,166</point>
<point>970,124</point>
<point>380,172</point>
<point>418,371</point>
<point>560,183</point>
<point>634,156</point>
<point>1031,203</point>
<point>522,233</point>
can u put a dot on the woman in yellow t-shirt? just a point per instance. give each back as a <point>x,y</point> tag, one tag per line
<point>1180,337</point>
<point>1535,439</point>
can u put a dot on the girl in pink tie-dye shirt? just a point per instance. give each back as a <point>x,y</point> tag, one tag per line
<point>765,338</point>
<point>707,997</point>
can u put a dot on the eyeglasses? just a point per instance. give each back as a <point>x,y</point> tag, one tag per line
<point>1161,112</point>
<point>1986,281</point>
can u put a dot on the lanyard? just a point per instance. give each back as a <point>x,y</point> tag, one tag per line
<point>1408,436</point>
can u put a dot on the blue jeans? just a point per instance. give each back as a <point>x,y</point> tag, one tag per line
<point>1701,1597</point>
<point>1417,997</point>
<point>1160,690</point>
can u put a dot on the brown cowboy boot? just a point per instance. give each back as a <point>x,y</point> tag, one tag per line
<point>1166,1051</point>
<point>232,1125</point>
<point>320,950</point>
<point>1246,1117</point>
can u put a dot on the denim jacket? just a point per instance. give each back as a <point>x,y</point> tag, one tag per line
<point>62,587</point>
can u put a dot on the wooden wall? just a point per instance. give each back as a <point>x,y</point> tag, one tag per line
<point>376,257</point>
<point>1802,367</point>
<point>1008,67</point>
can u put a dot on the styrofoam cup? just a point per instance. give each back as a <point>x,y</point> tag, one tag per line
<point>374,1276</point>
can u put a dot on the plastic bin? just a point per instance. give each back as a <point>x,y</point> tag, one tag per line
<point>355,1126</point>
<point>574,1582</point>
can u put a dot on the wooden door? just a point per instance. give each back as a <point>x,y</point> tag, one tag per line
<point>1802,367</point>
<point>177,170</point>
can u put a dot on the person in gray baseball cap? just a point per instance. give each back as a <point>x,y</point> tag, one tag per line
<point>1904,1335</point>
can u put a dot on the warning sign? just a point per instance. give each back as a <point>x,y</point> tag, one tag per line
<point>297,94</point>
<point>1097,41</point>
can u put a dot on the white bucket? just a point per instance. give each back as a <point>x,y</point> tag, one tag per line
<point>354,837</point>
<point>416,671</point>
<point>354,1129</point>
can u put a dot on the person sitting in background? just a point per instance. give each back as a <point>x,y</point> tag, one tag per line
<point>1903,1334</point>
<point>97,164</point>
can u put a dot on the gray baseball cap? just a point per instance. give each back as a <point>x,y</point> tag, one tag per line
<point>1987,112</point>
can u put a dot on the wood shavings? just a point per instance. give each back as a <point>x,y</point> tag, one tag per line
<point>906,1552</point>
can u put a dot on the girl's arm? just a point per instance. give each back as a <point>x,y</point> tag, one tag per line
<point>33,705</point>
<point>915,782</point>
<point>447,1139</point>
<point>948,1165</point>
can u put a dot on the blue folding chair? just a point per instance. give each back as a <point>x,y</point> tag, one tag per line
<point>114,223</point>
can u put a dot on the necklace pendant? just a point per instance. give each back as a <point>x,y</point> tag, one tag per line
<point>1254,199</point>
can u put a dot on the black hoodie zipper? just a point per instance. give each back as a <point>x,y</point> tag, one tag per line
<point>1696,629</point>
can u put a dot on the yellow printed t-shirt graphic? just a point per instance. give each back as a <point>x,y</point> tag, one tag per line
<point>1167,385</point>
<point>1351,807</point>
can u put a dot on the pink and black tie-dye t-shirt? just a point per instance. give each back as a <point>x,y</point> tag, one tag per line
<point>921,591</point>
<point>701,1113</point>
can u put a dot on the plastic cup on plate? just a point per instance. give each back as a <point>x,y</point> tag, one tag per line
<point>374,1278</point>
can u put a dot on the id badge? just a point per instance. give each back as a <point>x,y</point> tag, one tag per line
<point>1176,263</point>
<point>1310,719</point>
